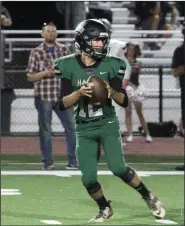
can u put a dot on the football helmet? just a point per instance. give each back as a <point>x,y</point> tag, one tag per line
<point>107,24</point>
<point>89,30</point>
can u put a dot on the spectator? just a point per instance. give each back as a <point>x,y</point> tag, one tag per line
<point>7,93</point>
<point>6,20</point>
<point>47,90</point>
<point>148,15</point>
<point>178,70</point>
<point>98,10</point>
<point>165,8</point>
<point>181,8</point>
<point>133,51</point>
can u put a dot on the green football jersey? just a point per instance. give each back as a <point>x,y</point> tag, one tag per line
<point>71,67</point>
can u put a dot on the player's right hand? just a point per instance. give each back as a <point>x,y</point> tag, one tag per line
<point>86,89</point>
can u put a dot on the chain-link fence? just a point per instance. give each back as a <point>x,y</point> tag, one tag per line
<point>162,103</point>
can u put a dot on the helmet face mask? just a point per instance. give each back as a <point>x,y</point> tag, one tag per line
<point>87,32</point>
<point>97,51</point>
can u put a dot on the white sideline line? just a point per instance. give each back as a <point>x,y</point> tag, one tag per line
<point>69,173</point>
<point>102,163</point>
<point>166,222</point>
<point>10,192</point>
<point>51,222</point>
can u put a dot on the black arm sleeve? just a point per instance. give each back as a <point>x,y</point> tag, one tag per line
<point>66,89</point>
<point>116,84</point>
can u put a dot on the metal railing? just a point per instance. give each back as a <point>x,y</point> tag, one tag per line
<point>17,32</point>
<point>134,19</point>
<point>8,40</point>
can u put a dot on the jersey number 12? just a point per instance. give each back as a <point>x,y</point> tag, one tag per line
<point>92,110</point>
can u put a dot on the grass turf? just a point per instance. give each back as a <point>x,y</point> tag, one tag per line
<point>65,200</point>
<point>32,162</point>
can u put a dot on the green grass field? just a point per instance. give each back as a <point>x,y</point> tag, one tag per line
<point>61,197</point>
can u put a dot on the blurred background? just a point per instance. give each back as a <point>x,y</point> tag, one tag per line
<point>129,24</point>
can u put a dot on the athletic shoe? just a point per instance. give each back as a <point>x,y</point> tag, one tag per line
<point>71,167</point>
<point>148,139</point>
<point>47,166</point>
<point>130,138</point>
<point>181,168</point>
<point>103,214</point>
<point>156,206</point>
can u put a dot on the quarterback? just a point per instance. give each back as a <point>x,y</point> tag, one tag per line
<point>97,124</point>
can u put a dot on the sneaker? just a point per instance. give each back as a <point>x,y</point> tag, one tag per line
<point>71,167</point>
<point>148,139</point>
<point>103,214</point>
<point>48,166</point>
<point>130,138</point>
<point>156,206</point>
<point>181,168</point>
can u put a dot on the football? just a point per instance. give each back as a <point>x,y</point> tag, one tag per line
<point>99,90</point>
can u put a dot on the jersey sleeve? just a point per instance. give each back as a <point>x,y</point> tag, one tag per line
<point>59,66</point>
<point>122,69</point>
<point>118,69</point>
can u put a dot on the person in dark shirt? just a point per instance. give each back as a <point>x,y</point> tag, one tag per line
<point>166,8</point>
<point>7,93</point>
<point>148,15</point>
<point>178,70</point>
<point>98,10</point>
<point>181,8</point>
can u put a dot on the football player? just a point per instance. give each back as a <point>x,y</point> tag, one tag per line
<point>97,124</point>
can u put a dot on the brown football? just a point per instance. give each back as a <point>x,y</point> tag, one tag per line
<point>99,90</point>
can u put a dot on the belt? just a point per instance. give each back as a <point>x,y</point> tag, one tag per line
<point>87,122</point>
